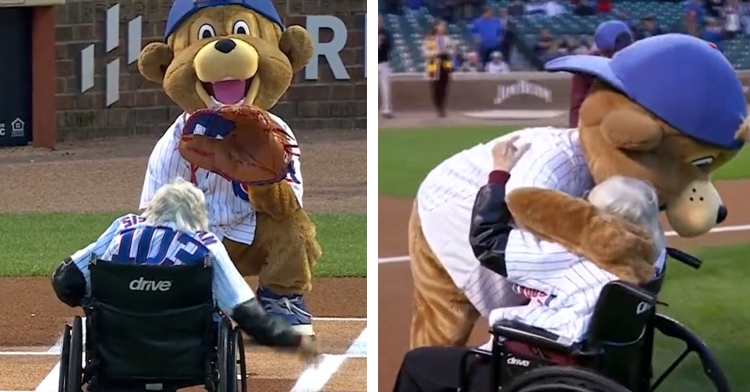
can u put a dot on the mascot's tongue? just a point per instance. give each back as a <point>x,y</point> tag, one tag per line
<point>229,91</point>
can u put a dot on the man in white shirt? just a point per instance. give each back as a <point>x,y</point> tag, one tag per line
<point>233,218</point>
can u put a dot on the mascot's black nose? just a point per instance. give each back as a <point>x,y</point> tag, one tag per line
<point>224,45</point>
<point>722,215</point>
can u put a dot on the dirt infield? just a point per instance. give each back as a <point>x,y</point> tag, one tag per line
<point>394,277</point>
<point>107,176</point>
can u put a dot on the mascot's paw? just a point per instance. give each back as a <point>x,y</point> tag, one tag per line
<point>291,307</point>
<point>240,143</point>
<point>620,247</point>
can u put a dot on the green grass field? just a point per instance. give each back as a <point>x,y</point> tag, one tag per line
<point>711,302</point>
<point>405,156</point>
<point>35,243</point>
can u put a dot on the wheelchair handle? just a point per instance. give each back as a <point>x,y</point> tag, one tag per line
<point>684,257</point>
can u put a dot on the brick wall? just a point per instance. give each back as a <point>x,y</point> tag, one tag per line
<point>323,104</point>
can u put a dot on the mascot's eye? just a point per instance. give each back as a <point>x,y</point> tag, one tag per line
<point>206,31</point>
<point>703,163</point>
<point>241,27</point>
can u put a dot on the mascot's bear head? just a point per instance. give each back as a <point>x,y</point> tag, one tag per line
<point>670,110</point>
<point>225,52</point>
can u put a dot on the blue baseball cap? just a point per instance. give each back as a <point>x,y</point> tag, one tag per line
<point>612,35</point>
<point>182,9</point>
<point>683,80</point>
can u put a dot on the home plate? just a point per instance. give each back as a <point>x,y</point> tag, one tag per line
<point>514,114</point>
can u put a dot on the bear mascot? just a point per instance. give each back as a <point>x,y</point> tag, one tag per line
<point>225,63</point>
<point>669,110</point>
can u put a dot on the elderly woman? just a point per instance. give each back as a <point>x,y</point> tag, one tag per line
<point>560,302</point>
<point>173,231</point>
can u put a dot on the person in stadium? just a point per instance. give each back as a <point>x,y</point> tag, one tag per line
<point>438,49</point>
<point>384,68</point>
<point>173,231</point>
<point>610,37</point>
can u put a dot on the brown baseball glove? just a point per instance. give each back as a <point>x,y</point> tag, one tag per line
<point>239,143</point>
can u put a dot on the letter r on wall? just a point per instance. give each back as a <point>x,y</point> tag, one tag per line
<point>329,50</point>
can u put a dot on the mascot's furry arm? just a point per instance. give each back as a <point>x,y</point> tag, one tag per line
<point>617,246</point>
<point>277,200</point>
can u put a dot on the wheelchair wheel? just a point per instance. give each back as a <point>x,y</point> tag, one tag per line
<point>563,379</point>
<point>74,371</point>
<point>236,366</point>
<point>62,385</point>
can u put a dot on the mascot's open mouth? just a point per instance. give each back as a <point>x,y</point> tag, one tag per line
<point>229,91</point>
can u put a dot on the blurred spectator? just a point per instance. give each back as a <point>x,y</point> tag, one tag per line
<point>438,49</point>
<point>497,65</point>
<point>648,28</point>
<point>713,8</point>
<point>585,44</point>
<point>689,25</point>
<point>570,45</point>
<point>697,7</point>
<point>603,6</point>
<point>471,63</point>
<point>546,46</point>
<point>516,8</point>
<point>610,37</point>
<point>713,33</point>
<point>584,7</point>
<point>384,69</point>
<point>488,31</point>
<point>732,23</point>
<point>509,37</point>
<point>745,17</point>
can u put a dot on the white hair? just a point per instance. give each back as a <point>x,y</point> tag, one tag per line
<point>633,200</point>
<point>181,203</point>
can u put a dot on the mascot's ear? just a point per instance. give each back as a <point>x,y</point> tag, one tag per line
<point>744,132</point>
<point>297,46</point>
<point>628,129</point>
<point>154,60</point>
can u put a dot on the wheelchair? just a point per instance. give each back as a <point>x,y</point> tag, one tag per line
<point>615,356</point>
<point>151,328</point>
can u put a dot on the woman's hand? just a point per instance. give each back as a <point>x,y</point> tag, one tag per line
<point>505,154</point>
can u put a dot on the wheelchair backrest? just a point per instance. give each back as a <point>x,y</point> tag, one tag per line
<point>150,322</point>
<point>148,288</point>
<point>618,328</point>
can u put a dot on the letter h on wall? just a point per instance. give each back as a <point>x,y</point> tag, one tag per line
<point>112,42</point>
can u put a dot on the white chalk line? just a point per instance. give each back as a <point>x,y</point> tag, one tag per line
<point>50,382</point>
<point>315,377</point>
<point>718,230</point>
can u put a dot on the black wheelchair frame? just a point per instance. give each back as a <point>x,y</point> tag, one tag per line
<point>591,377</point>
<point>223,363</point>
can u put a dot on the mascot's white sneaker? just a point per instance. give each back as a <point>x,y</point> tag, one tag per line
<point>290,307</point>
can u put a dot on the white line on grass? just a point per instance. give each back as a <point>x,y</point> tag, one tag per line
<point>315,377</point>
<point>725,229</point>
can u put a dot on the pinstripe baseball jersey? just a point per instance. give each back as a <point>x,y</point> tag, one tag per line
<point>554,160</point>
<point>230,212</point>
<point>572,290</point>
<point>129,238</point>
